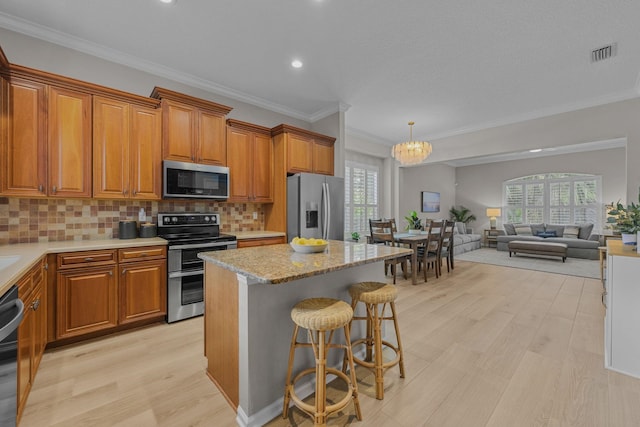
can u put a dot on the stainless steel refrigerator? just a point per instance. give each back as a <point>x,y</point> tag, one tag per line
<point>315,206</point>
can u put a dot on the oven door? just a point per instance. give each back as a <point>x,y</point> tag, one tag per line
<point>185,285</point>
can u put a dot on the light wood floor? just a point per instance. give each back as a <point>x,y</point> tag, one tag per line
<point>484,346</point>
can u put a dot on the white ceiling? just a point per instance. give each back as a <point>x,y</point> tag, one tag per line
<point>450,66</point>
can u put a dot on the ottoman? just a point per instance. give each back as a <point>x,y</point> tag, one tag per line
<point>538,248</point>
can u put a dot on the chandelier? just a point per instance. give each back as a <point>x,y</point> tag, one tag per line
<point>411,152</point>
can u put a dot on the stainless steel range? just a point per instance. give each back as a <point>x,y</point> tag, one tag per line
<point>188,234</point>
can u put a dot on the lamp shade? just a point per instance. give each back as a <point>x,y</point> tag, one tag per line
<point>493,212</point>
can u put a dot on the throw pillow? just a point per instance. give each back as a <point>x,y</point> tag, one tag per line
<point>546,234</point>
<point>523,230</point>
<point>537,228</point>
<point>585,231</point>
<point>559,229</point>
<point>571,231</point>
<point>461,227</point>
<point>509,229</point>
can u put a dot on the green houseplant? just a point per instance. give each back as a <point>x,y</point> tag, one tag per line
<point>626,220</point>
<point>355,236</point>
<point>461,214</point>
<point>414,223</point>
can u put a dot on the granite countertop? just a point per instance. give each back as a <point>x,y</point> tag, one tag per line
<point>274,264</point>
<point>17,259</point>
<point>259,234</point>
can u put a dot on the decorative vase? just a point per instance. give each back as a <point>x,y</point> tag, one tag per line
<point>629,240</point>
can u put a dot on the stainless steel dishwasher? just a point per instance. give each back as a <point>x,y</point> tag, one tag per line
<point>11,311</point>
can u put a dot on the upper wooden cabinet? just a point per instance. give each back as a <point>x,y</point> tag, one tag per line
<point>46,142</point>
<point>193,128</point>
<point>250,162</point>
<point>305,151</point>
<point>126,150</point>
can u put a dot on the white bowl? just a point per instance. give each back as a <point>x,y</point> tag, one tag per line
<point>309,249</point>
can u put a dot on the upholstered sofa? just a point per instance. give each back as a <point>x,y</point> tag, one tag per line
<point>464,240</point>
<point>580,241</point>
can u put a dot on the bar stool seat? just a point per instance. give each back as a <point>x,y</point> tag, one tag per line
<point>318,316</point>
<point>372,294</point>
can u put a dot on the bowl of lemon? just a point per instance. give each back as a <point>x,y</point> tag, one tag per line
<point>308,246</point>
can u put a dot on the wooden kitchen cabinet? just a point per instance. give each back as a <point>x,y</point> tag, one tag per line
<point>193,129</point>
<point>261,241</point>
<point>127,155</point>
<point>23,158</point>
<point>69,143</point>
<point>250,162</point>
<point>32,331</point>
<point>143,283</point>
<point>305,151</point>
<point>86,297</point>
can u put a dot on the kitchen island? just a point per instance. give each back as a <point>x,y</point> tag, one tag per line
<point>249,294</point>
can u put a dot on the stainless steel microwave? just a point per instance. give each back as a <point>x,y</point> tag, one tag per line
<point>193,180</point>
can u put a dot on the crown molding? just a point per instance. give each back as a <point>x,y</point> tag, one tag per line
<point>32,29</point>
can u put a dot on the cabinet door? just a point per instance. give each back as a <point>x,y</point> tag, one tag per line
<point>323,158</point>
<point>69,147</point>
<point>145,153</point>
<point>143,290</point>
<point>23,158</point>
<point>179,131</point>
<point>262,168</point>
<point>239,149</point>
<point>299,154</point>
<point>86,301</point>
<point>110,148</point>
<point>39,308</point>
<point>212,144</point>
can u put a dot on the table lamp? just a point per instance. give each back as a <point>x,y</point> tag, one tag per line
<point>492,213</point>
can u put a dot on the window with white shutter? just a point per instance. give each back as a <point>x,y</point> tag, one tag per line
<point>361,197</point>
<point>555,198</point>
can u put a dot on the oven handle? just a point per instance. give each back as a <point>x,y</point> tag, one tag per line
<point>177,274</point>
<point>231,245</point>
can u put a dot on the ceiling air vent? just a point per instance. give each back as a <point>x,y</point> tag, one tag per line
<point>603,53</point>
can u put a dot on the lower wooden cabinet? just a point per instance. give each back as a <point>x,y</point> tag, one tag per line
<point>86,300</point>
<point>141,291</point>
<point>32,331</point>
<point>262,241</point>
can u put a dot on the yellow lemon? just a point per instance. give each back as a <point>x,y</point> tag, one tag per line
<point>295,240</point>
<point>320,242</point>
<point>302,241</point>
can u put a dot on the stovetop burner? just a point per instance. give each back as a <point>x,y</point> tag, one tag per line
<point>191,227</point>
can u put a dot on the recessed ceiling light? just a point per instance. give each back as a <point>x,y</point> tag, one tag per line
<point>535,150</point>
<point>168,1</point>
<point>296,63</point>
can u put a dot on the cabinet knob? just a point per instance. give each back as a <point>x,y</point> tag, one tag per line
<point>54,190</point>
<point>135,192</point>
<point>124,270</point>
<point>88,259</point>
<point>41,188</point>
<point>125,191</point>
<point>35,304</point>
<point>110,273</point>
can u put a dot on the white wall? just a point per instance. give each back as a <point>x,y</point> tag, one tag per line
<point>480,186</point>
<point>413,180</point>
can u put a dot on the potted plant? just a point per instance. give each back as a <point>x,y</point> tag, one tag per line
<point>414,223</point>
<point>355,236</point>
<point>461,214</point>
<point>626,220</point>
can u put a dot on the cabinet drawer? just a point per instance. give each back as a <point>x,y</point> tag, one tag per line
<point>263,241</point>
<point>86,259</point>
<point>142,253</point>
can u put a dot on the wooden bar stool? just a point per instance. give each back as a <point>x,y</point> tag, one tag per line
<point>319,315</point>
<point>372,294</point>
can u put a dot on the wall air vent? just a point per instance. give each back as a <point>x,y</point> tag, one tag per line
<point>603,53</point>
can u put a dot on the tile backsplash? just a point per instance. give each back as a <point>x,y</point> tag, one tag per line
<point>44,220</point>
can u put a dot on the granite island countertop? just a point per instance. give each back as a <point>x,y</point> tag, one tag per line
<point>17,259</point>
<point>275,264</point>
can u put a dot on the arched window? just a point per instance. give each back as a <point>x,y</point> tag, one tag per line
<point>554,198</point>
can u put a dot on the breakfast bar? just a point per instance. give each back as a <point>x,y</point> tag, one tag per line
<point>249,294</point>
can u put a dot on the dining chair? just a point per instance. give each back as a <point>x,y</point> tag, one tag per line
<point>382,233</point>
<point>429,254</point>
<point>447,245</point>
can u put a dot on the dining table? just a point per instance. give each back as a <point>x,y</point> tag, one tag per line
<point>412,240</point>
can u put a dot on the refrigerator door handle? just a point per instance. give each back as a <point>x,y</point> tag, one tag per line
<point>326,233</point>
<point>325,212</point>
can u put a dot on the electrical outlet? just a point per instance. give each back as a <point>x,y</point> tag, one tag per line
<point>255,215</point>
